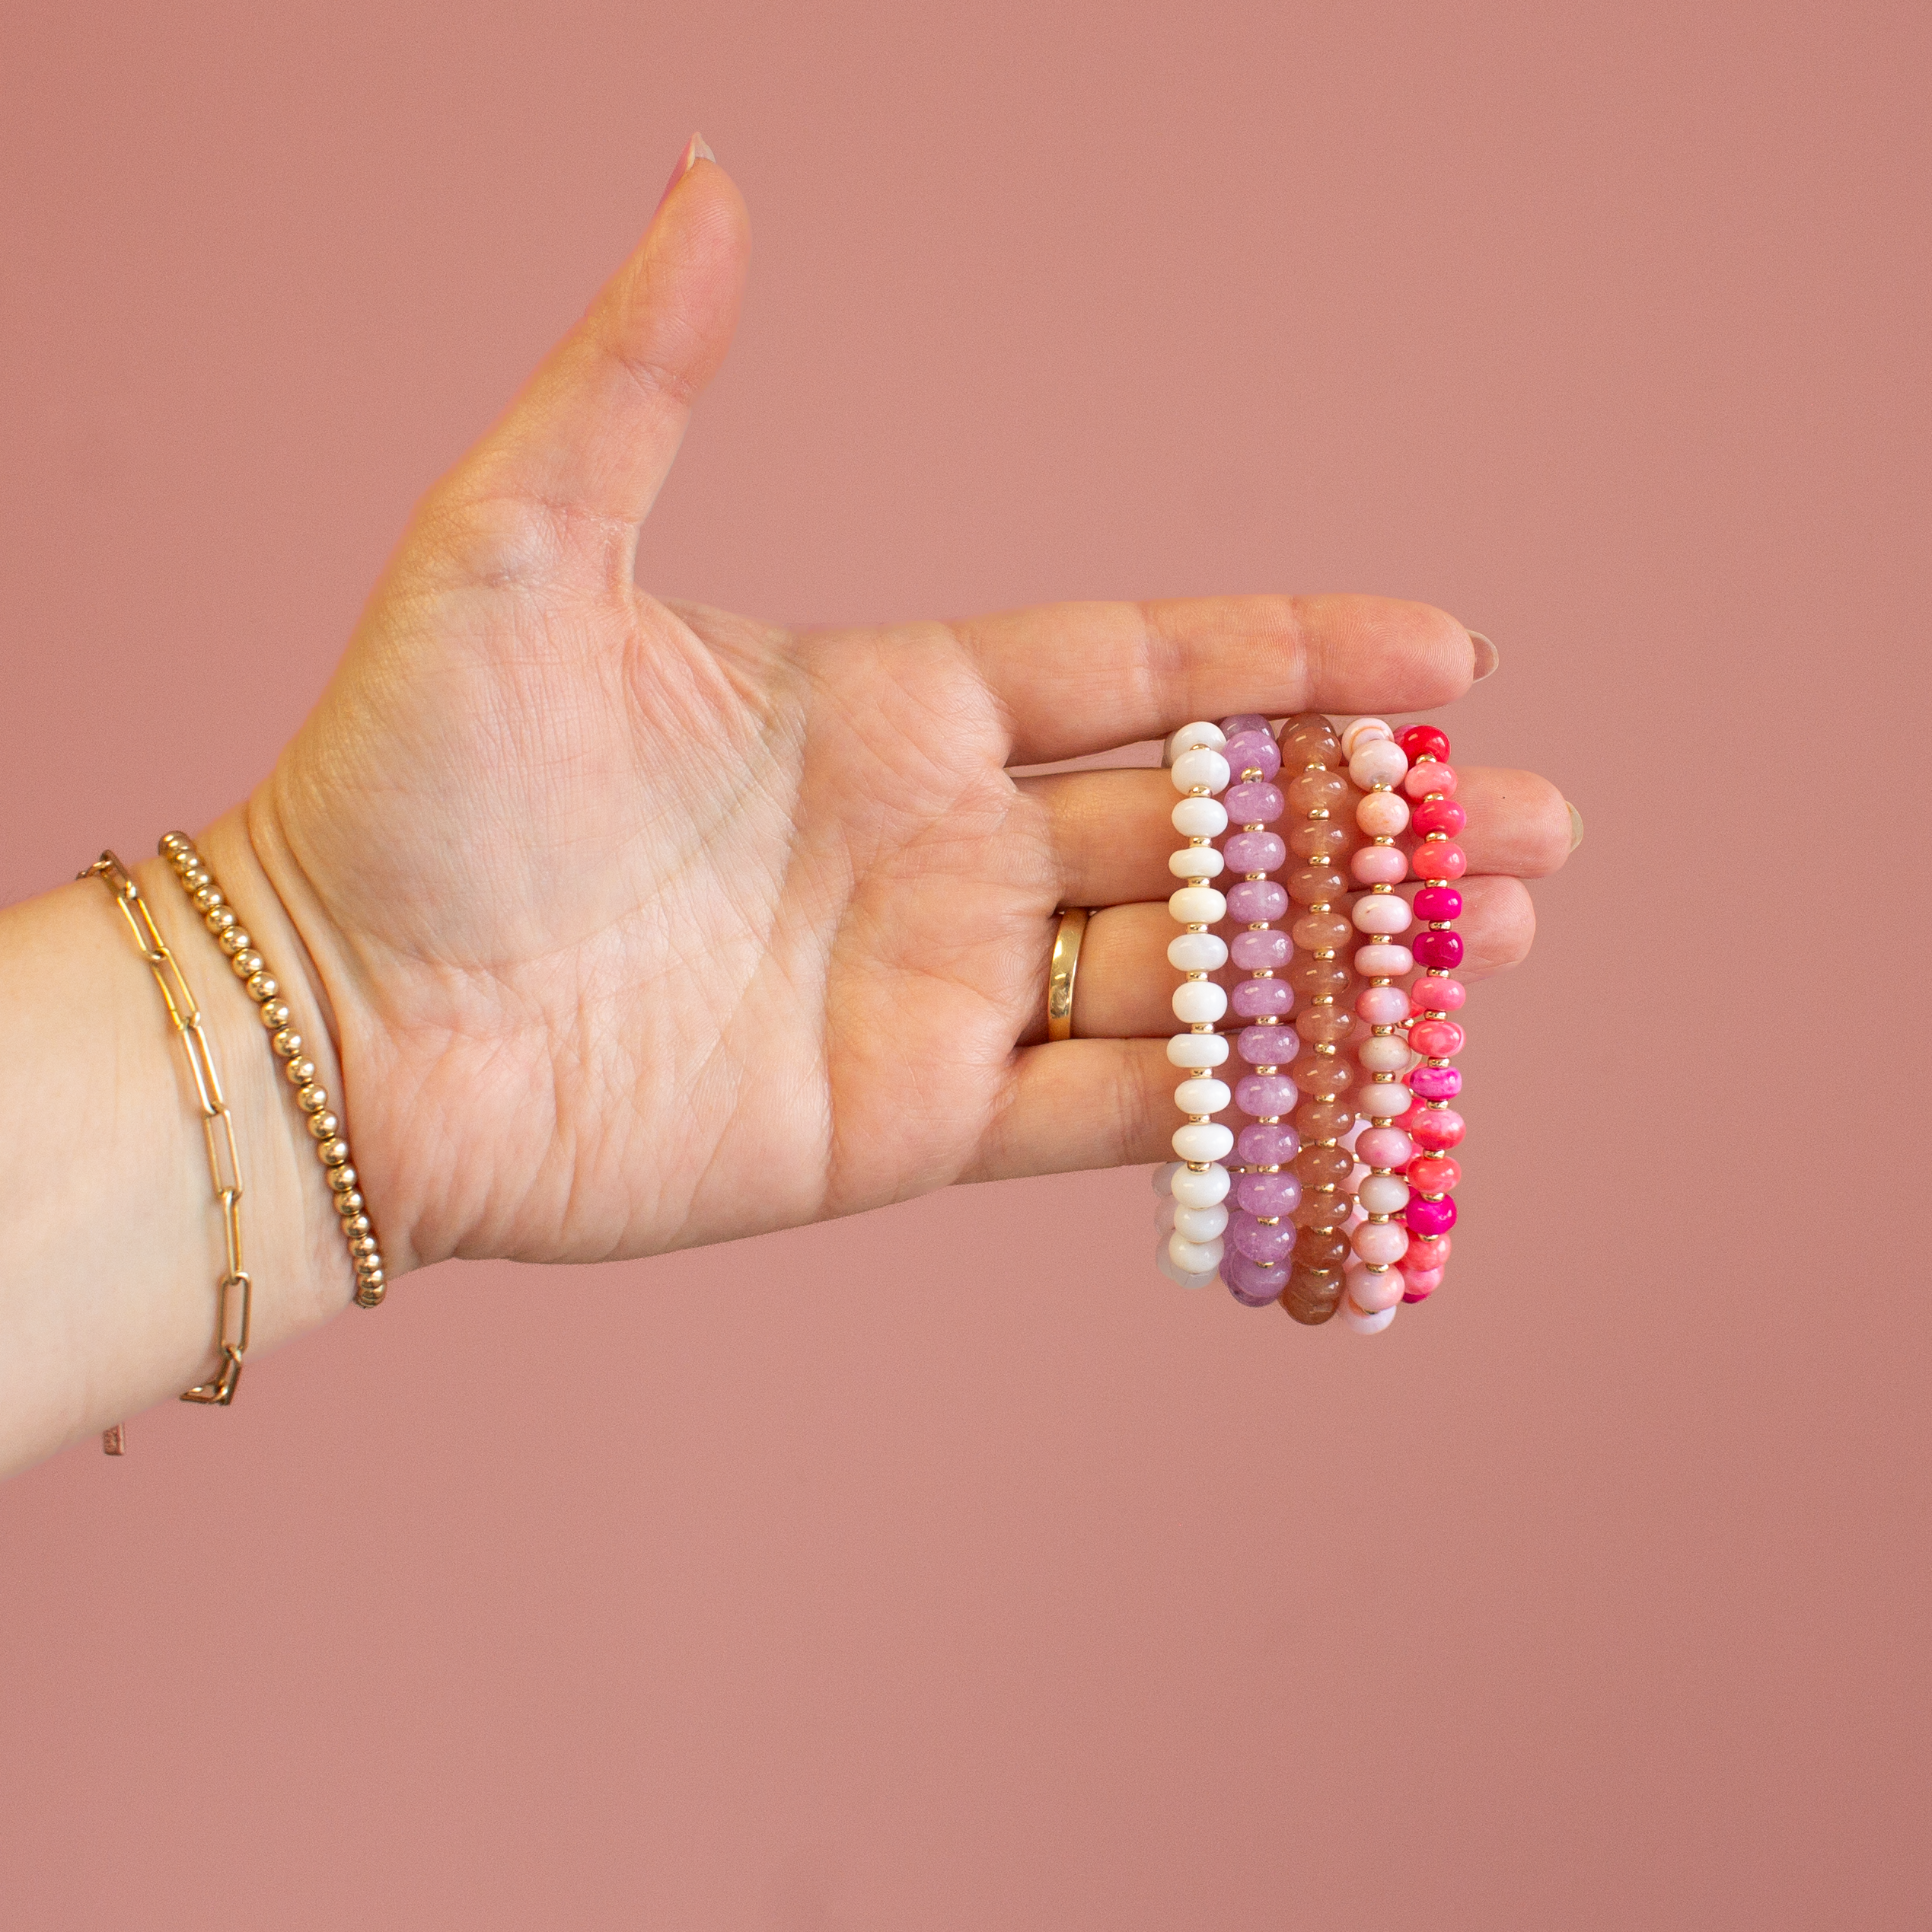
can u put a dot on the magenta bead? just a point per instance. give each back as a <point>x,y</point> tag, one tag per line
<point>1259,1241</point>
<point>1430,1217</point>
<point>1267,1095</point>
<point>1384,1147</point>
<point>1438,859</point>
<point>1435,815</point>
<point>1254,801</point>
<point>1437,949</point>
<point>1433,1082</point>
<point>1255,852</point>
<point>1437,1039</point>
<point>1261,1145</point>
<point>1418,1284</point>
<point>1382,1005</point>
<point>1247,751</point>
<point>1243,721</point>
<point>1255,901</point>
<point>1268,1193</point>
<point>1252,951</point>
<point>1252,998</point>
<point>1438,902</point>
<point>1267,1046</point>
<point>1432,993</point>
<point>1253,1282</point>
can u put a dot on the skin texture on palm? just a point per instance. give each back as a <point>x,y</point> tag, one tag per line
<point>643,926</point>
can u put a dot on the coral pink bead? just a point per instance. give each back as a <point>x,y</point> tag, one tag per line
<point>1440,815</point>
<point>1379,865</point>
<point>1418,1284</point>
<point>1372,1291</point>
<point>1429,1174</point>
<point>1382,814</point>
<point>1432,1127</point>
<point>1385,1147</point>
<point>1382,1005</point>
<point>1435,993</point>
<point>1437,1039</point>
<point>1382,1241</point>
<point>1426,1251</point>
<point>1430,777</point>
<point>1438,858</point>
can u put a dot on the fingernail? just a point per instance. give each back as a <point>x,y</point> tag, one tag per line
<point>1576,826</point>
<point>1487,656</point>
<point>695,149</point>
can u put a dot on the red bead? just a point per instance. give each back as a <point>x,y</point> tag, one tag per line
<point>1422,741</point>
<point>1433,1174</point>
<point>1436,859</point>
<point>1439,815</point>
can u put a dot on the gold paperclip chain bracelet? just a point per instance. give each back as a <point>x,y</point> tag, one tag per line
<point>234,1289</point>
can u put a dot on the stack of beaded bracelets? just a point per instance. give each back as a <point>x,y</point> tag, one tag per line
<point>331,1144</point>
<point>1322,1238</point>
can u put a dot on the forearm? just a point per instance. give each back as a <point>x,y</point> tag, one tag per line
<point>112,1249</point>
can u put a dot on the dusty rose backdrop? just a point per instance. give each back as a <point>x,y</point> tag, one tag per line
<point>946,1569</point>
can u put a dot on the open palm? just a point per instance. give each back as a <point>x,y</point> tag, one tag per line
<point>646,925</point>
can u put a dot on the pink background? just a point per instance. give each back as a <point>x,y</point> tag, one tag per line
<point>947,1569</point>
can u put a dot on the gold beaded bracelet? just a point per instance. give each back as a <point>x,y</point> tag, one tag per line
<point>235,1292</point>
<point>332,1145</point>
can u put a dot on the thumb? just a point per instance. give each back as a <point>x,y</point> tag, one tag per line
<point>590,440</point>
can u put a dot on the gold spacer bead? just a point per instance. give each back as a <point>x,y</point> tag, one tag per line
<point>263,985</point>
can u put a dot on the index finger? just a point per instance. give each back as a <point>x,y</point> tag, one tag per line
<point>1075,678</point>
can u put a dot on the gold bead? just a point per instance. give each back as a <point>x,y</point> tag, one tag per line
<point>312,1099</point>
<point>324,1126</point>
<point>235,940</point>
<point>220,919</point>
<point>287,1043</point>
<point>246,963</point>
<point>208,897</point>
<point>333,1153</point>
<point>263,985</point>
<point>300,1071</point>
<point>275,1014</point>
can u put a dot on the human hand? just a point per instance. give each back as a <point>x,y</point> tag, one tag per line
<point>646,925</point>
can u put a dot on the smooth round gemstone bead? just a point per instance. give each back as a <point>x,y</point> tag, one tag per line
<point>1382,1193</point>
<point>1383,1100</point>
<point>1384,961</point>
<point>1321,1075</point>
<point>1199,818</point>
<point>1198,1001</point>
<point>1323,1024</point>
<point>1430,1217</point>
<point>1200,1187</point>
<point>1269,1193</point>
<point>1162,1177</point>
<point>1244,721</point>
<point>1384,1146</point>
<point>1200,767</point>
<point>1198,1050</point>
<point>1382,1005</point>
<point>1318,977</point>
<point>1435,1082</point>
<point>1438,902</point>
<point>1254,902</point>
<point>1256,751</point>
<point>1254,801</point>
<point>1434,948</point>
<point>1384,1053</point>
<point>1198,905</point>
<point>1195,862</point>
<point>1265,1145</point>
<point>1430,777</point>
<point>1324,1120</point>
<point>1309,739</point>
<point>1381,913</point>
<point>1252,1281</point>
<point>1358,730</point>
<point>1434,993</point>
<point>1253,951</point>
<point>1437,1039</point>
<point>1321,932</point>
<point>1424,742</point>
<point>1199,1224</point>
<point>1252,998</point>
<point>1373,1289</point>
<point>1316,790</point>
<point>1267,1046</point>
<point>1383,1242</point>
<point>1358,1323</point>
<point>1202,1141</point>
<point>1439,815</point>
<point>1265,1095</point>
<point>1194,1257</point>
<point>1261,1241</point>
<point>1433,1174</point>
<point>1382,814</point>
<point>1255,852</point>
<point>1418,1284</point>
<point>1438,858</point>
<point>1379,761</point>
<point>1197,952</point>
<point>1426,1251</point>
<point>1434,1128</point>
<point>1314,839</point>
<point>1379,865</point>
<point>1204,1095</point>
